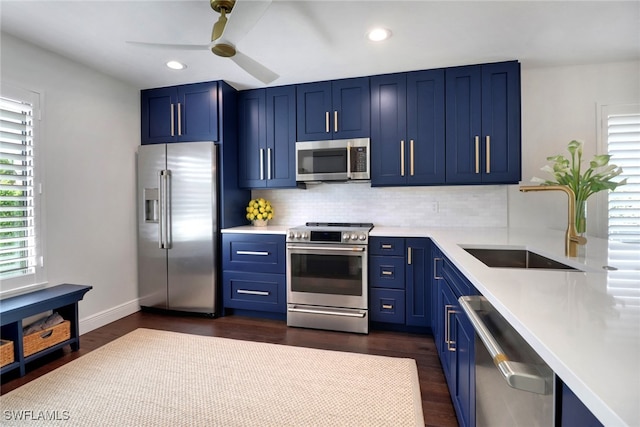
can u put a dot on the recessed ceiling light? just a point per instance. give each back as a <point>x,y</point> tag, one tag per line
<point>378,34</point>
<point>175,65</point>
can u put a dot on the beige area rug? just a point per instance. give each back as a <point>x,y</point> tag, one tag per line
<point>158,378</point>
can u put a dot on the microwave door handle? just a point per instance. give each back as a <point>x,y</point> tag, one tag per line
<point>349,160</point>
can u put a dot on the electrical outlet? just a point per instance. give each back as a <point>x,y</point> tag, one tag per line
<point>435,207</point>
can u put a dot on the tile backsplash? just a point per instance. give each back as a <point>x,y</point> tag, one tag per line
<point>468,206</point>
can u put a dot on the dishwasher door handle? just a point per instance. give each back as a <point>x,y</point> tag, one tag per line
<point>521,376</point>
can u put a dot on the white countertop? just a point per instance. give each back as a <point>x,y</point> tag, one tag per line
<point>584,324</point>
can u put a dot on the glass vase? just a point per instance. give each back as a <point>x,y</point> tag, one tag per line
<point>581,216</point>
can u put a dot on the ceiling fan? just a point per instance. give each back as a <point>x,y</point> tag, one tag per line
<point>245,15</point>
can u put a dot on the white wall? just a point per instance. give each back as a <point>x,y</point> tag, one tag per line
<point>90,135</point>
<point>558,105</point>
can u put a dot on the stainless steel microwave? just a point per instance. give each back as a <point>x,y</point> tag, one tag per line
<point>333,160</point>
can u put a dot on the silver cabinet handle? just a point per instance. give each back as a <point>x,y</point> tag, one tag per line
<point>173,130</point>
<point>296,309</point>
<point>269,163</point>
<point>387,273</point>
<point>179,119</point>
<point>477,139</point>
<point>258,253</point>
<point>488,152</point>
<point>326,122</point>
<point>435,261</point>
<point>518,375</point>
<point>402,157</point>
<point>249,292</point>
<point>387,306</point>
<point>335,121</point>
<point>409,256</point>
<point>386,246</point>
<point>261,164</point>
<point>411,168</point>
<point>448,311</point>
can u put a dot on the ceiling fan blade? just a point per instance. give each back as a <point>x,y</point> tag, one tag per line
<point>254,68</point>
<point>245,15</point>
<point>171,46</point>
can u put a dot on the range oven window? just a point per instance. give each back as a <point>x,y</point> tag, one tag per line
<point>326,274</point>
<point>322,161</point>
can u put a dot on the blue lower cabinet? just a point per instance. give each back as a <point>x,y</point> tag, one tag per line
<point>573,412</point>
<point>387,305</point>
<point>254,291</point>
<point>253,273</point>
<point>400,281</point>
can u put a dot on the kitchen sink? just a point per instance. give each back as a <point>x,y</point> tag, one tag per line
<point>516,258</point>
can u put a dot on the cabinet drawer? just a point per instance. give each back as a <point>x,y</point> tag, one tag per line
<point>386,246</point>
<point>254,291</point>
<point>444,268</point>
<point>249,252</point>
<point>386,272</point>
<point>387,305</point>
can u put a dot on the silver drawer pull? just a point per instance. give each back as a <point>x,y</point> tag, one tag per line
<point>386,246</point>
<point>248,292</point>
<point>259,253</point>
<point>387,306</point>
<point>387,273</point>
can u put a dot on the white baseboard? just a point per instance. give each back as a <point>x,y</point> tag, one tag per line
<point>105,317</point>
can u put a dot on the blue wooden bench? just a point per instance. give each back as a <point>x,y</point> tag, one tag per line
<point>61,298</point>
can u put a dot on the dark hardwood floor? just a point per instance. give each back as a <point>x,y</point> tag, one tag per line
<point>436,403</point>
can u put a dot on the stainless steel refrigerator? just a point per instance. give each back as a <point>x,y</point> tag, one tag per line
<point>177,226</point>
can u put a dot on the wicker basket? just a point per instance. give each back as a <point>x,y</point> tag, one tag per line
<point>45,338</point>
<point>6,352</point>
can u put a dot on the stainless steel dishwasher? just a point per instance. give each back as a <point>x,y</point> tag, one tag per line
<point>514,386</point>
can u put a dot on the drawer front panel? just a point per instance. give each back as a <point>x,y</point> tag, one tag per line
<point>393,246</point>
<point>251,291</point>
<point>249,252</point>
<point>386,272</point>
<point>387,305</point>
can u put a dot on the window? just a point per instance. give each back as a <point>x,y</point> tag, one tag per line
<point>21,261</point>
<point>623,143</point>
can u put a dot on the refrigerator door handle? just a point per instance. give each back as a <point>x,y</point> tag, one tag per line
<point>167,223</point>
<point>161,218</point>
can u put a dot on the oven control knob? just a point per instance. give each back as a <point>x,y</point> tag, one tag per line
<point>305,236</point>
<point>345,236</point>
<point>298,235</point>
<point>354,236</point>
<point>291,235</point>
<point>362,237</point>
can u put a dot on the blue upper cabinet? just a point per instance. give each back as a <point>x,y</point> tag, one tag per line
<point>180,113</point>
<point>483,124</point>
<point>333,110</point>
<point>266,134</point>
<point>408,128</point>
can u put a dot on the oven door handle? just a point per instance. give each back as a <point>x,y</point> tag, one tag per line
<point>296,309</point>
<point>328,248</point>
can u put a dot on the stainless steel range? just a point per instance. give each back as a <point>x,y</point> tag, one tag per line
<point>327,276</point>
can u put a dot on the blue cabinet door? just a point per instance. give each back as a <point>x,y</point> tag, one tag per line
<point>425,128</point>
<point>418,282</point>
<point>198,109</point>
<point>158,115</point>
<point>314,111</point>
<point>463,124</point>
<point>333,110</point>
<point>501,123</point>
<point>388,129</point>
<point>252,138</point>
<point>483,124</point>
<point>351,108</point>
<point>281,136</point>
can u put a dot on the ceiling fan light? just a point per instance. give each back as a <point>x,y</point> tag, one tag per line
<point>175,65</point>
<point>378,34</point>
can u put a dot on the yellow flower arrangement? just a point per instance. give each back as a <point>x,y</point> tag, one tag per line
<point>259,209</point>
